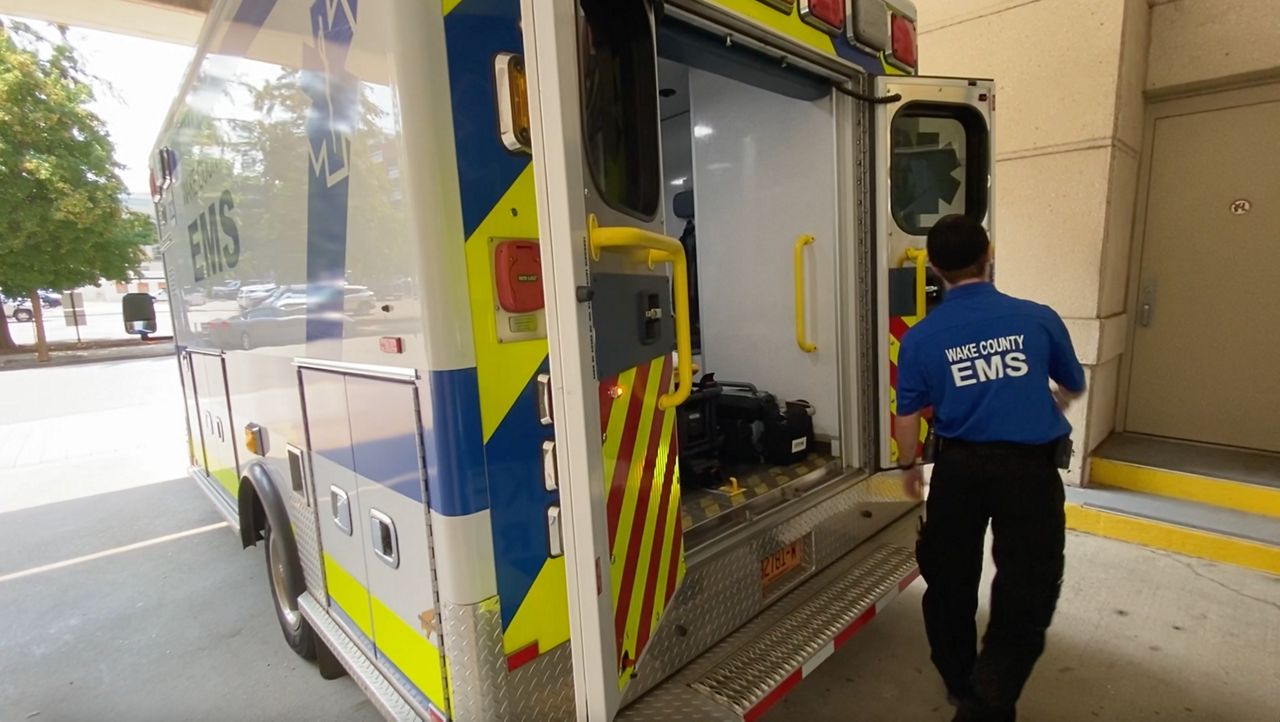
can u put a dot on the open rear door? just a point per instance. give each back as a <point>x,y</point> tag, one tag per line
<point>933,157</point>
<point>617,308</point>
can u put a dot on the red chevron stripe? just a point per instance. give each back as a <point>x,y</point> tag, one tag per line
<point>656,553</point>
<point>677,533</point>
<point>646,483</point>
<point>626,447</point>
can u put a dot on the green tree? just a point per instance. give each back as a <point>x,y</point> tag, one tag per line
<point>62,222</point>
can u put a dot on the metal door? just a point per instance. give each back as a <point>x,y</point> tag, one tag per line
<point>195,427</point>
<point>617,308</point>
<point>1204,341</point>
<point>365,437</point>
<point>221,456</point>
<point>934,156</point>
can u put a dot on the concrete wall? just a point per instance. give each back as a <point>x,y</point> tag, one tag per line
<point>1206,42</point>
<point>1069,123</point>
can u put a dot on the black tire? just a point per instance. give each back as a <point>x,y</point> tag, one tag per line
<point>297,632</point>
<point>23,315</point>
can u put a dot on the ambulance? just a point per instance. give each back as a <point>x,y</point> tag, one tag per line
<point>496,248</point>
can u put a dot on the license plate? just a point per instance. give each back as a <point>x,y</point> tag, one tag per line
<point>777,564</point>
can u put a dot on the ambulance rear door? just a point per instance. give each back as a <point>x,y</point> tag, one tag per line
<point>616,292</point>
<point>933,156</point>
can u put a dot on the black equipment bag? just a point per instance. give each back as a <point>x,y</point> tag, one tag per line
<point>699,436</point>
<point>788,433</point>
<point>741,411</point>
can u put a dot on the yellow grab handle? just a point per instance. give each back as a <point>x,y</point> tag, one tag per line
<point>920,257</point>
<point>660,249</point>
<point>802,336</point>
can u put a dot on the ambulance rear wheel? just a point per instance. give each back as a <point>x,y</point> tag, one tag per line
<point>297,632</point>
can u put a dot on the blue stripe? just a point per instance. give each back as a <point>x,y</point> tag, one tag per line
<point>519,498</point>
<point>456,479</point>
<point>333,113</point>
<point>861,58</point>
<point>475,32</point>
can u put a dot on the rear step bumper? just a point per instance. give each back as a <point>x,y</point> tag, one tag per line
<point>755,667</point>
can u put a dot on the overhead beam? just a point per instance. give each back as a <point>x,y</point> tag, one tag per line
<point>174,21</point>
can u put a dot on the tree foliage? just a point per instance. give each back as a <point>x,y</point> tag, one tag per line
<point>62,220</point>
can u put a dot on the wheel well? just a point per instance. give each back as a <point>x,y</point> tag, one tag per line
<point>253,517</point>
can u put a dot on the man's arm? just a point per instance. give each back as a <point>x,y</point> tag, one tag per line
<point>906,431</point>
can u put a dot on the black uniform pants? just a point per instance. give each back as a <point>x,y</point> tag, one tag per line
<point>1018,490</point>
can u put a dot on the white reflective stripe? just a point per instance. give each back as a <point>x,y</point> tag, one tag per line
<point>111,552</point>
<point>464,557</point>
<point>827,650</point>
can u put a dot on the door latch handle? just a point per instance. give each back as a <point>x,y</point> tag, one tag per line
<point>545,416</point>
<point>383,534</point>
<point>1144,316</point>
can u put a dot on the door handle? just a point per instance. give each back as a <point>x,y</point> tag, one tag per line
<point>550,479</point>
<point>1146,303</point>
<point>382,532</point>
<point>802,334</point>
<point>555,533</point>
<point>656,248</point>
<point>340,508</point>
<point>545,416</point>
<point>920,257</point>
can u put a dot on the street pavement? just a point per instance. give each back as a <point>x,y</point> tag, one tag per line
<point>123,596</point>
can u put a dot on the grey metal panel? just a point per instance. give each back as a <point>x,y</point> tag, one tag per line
<point>1243,465</point>
<point>483,689</point>
<point>1190,514</point>
<point>617,316</point>
<point>711,603</point>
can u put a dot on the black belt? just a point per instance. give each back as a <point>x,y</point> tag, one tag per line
<point>1058,450</point>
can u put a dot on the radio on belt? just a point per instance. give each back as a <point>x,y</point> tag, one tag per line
<point>518,272</point>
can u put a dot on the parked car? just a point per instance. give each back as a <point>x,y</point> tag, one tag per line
<point>250,296</point>
<point>19,309</point>
<point>227,289</point>
<point>49,299</point>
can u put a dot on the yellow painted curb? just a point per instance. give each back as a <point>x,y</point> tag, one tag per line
<point>1159,535</point>
<point>1235,495</point>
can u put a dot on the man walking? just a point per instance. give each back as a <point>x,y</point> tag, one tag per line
<point>984,361</point>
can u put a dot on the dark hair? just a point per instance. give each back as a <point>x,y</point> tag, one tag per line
<point>958,247</point>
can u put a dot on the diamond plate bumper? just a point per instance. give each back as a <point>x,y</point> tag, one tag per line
<point>740,678</point>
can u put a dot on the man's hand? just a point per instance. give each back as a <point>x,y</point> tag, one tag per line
<point>1063,398</point>
<point>913,482</point>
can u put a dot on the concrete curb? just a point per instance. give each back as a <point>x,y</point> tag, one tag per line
<point>21,361</point>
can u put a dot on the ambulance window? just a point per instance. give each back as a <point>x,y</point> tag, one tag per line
<point>620,104</point>
<point>938,165</point>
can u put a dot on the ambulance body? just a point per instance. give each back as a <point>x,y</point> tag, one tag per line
<point>448,399</point>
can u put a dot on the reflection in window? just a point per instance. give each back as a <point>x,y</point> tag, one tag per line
<point>620,104</point>
<point>938,165</point>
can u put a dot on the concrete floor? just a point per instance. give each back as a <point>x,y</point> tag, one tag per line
<point>181,628</point>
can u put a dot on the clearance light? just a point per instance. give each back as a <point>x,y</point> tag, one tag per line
<point>826,15</point>
<point>702,131</point>
<point>513,102</point>
<point>255,441</point>
<point>903,30</point>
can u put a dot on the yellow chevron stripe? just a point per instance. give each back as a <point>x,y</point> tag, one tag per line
<point>643,564</point>
<point>627,517</point>
<point>449,5</point>
<point>617,421</point>
<point>412,653</point>
<point>543,616</point>
<point>789,25</point>
<point>504,369</point>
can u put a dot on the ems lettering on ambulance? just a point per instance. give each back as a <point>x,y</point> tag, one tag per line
<point>994,358</point>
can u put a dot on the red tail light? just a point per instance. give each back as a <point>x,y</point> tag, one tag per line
<point>904,41</point>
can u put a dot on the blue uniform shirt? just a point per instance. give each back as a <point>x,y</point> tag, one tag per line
<point>983,361</point>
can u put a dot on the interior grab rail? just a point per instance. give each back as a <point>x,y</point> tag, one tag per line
<point>656,248</point>
<point>802,334</point>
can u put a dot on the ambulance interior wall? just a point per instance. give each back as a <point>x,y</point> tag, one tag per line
<point>763,171</point>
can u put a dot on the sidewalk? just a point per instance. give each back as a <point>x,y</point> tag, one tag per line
<point>61,356</point>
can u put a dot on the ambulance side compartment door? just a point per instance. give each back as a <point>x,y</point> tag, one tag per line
<point>933,156</point>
